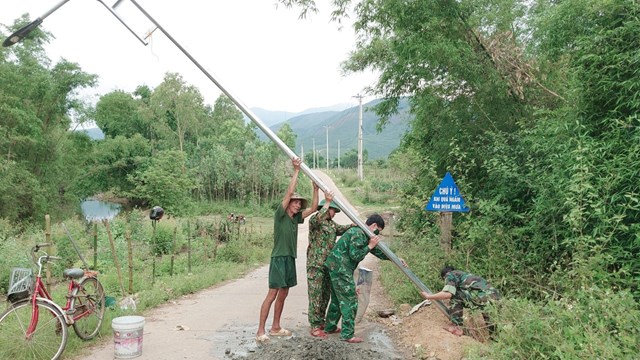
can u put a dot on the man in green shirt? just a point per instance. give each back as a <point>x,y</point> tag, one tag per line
<point>282,268</point>
<point>464,290</point>
<point>322,237</point>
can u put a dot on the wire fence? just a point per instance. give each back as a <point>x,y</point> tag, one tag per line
<point>131,253</point>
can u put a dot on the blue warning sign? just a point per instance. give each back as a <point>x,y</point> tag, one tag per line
<point>447,197</point>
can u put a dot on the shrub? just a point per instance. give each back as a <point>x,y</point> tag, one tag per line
<point>591,324</point>
<point>162,242</point>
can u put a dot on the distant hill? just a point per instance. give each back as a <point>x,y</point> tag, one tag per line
<point>271,118</point>
<point>94,133</point>
<point>343,126</point>
<point>342,120</point>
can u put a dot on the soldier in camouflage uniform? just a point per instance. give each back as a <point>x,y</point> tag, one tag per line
<point>342,261</point>
<point>322,237</point>
<point>464,290</point>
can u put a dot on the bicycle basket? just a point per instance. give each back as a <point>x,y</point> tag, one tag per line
<point>20,284</point>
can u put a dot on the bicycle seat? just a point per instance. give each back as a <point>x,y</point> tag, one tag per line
<point>73,273</point>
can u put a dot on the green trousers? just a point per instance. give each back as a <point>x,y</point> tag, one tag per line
<point>344,303</point>
<point>319,291</point>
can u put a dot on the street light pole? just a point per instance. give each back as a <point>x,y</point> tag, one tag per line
<point>360,150</point>
<point>327,127</point>
<point>314,153</point>
<point>22,32</point>
<point>338,154</point>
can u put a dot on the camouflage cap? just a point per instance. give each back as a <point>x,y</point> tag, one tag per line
<point>332,205</point>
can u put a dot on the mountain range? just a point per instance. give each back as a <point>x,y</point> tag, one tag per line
<point>310,127</point>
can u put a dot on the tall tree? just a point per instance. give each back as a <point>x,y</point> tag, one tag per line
<point>118,114</point>
<point>177,112</point>
<point>38,99</point>
<point>162,182</point>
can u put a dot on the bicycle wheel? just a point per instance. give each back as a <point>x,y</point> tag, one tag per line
<point>88,302</point>
<point>47,341</point>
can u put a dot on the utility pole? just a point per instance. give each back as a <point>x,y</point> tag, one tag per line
<point>360,170</point>
<point>314,153</point>
<point>338,154</point>
<point>327,127</point>
<point>302,152</point>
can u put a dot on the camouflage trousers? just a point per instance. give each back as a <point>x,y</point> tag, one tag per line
<point>472,300</point>
<point>344,303</point>
<point>319,291</point>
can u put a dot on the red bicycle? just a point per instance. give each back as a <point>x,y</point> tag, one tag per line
<point>36,327</point>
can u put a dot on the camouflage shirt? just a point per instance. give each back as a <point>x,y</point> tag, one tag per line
<point>352,247</point>
<point>322,237</point>
<point>470,289</point>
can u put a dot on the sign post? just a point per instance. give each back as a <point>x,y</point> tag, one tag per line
<point>446,200</point>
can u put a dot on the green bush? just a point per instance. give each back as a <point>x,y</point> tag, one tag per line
<point>15,257</point>
<point>233,251</point>
<point>591,324</point>
<point>162,242</point>
<point>348,178</point>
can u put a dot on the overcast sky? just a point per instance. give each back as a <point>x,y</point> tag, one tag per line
<point>265,56</point>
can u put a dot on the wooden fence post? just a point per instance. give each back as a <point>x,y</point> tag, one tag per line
<point>115,255</point>
<point>173,249</point>
<point>47,238</point>
<point>127,235</point>
<point>95,245</point>
<point>204,245</point>
<point>446,224</point>
<point>153,252</point>
<point>188,247</point>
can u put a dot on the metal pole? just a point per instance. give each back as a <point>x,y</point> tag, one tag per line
<point>338,154</point>
<point>314,162</point>
<point>305,169</point>
<point>75,246</point>
<point>327,127</point>
<point>360,171</point>
<point>25,30</point>
<point>360,147</point>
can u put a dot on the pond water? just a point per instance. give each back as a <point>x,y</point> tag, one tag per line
<point>96,210</point>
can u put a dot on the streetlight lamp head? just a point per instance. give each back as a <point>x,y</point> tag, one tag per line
<point>21,33</point>
<point>25,30</point>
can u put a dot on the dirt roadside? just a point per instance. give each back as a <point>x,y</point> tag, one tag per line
<point>220,323</point>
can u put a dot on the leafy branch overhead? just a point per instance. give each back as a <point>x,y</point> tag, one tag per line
<point>532,106</point>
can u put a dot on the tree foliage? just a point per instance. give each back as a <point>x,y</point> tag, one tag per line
<point>37,102</point>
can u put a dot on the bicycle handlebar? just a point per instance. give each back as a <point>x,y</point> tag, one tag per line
<point>36,249</point>
<point>46,258</point>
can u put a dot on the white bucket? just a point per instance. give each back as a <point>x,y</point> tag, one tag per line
<point>127,336</point>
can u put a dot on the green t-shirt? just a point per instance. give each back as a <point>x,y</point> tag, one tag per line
<point>285,233</point>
